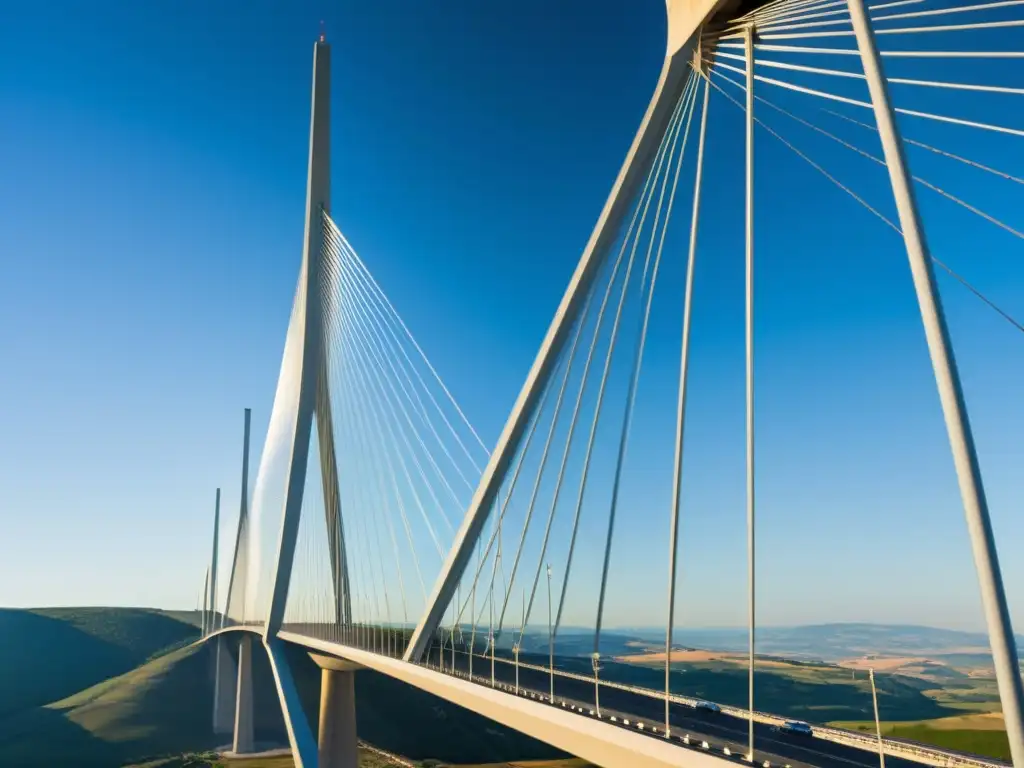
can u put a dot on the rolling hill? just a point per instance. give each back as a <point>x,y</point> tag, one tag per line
<point>828,642</point>
<point>122,714</point>
<point>51,653</point>
<point>98,687</point>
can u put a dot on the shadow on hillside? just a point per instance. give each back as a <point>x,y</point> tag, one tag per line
<point>50,654</point>
<point>161,708</point>
<point>46,659</point>
<point>42,738</point>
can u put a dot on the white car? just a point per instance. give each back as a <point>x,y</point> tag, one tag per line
<point>707,706</point>
<point>794,728</point>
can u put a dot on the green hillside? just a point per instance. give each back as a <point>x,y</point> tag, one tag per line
<point>159,708</point>
<point>71,712</point>
<point>980,734</point>
<point>54,652</point>
<point>96,687</point>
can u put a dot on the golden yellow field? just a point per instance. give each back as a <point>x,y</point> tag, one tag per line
<point>695,657</point>
<point>883,664</point>
<point>979,721</point>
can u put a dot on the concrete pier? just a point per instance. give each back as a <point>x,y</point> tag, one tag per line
<point>244,741</point>
<point>225,678</point>
<point>338,745</point>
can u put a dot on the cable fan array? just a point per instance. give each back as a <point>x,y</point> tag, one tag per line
<point>597,478</point>
<point>594,520</point>
<point>407,463</point>
<point>982,91</point>
<point>545,565</point>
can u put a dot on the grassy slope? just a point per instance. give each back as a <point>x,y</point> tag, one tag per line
<point>158,708</point>
<point>163,708</point>
<point>981,734</point>
<point>52,653</point>
<point>819,692</point>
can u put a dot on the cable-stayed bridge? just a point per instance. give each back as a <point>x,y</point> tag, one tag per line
<point>382,533</point>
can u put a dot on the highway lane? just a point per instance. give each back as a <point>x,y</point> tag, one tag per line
<point>719,729</point>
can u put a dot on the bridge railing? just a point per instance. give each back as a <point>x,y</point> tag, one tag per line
<point>922,753</point>
<point>901,748</point>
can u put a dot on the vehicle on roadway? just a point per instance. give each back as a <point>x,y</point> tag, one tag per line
<point>793,728</point>
<point>707,706</point>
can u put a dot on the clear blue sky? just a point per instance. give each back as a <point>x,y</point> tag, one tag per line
<point>152,171</point>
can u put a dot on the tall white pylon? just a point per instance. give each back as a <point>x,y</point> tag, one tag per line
<point>685,18</point>
<point>313,393</point>
<point>951,396</point>
<point>204,617</point>
<point>211,623</point>
<point>241,535</point>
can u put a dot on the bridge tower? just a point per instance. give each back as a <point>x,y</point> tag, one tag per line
<point>684,64</point>
<point>338,746</point>
<point>686,21</point>
<point>314,399</point>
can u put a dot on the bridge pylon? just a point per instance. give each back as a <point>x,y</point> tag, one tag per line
<point>313,396</point>
<point>244,740</point>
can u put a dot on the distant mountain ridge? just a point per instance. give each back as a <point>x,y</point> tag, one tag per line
<point>818,642</point>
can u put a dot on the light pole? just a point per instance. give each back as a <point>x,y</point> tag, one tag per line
<point>515,655</point>
<point>490,639</point>
<point>595,659</point>
<point>472,631</point>
<point>490,629</point>
<point>551,642</point>
<point>878,724</point>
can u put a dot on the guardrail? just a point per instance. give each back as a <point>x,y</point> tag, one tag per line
<point>904,748</point>
<point>910,750</point>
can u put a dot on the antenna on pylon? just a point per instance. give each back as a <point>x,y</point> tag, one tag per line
<point>323,37</point>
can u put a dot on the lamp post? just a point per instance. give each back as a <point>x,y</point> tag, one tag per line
<point>515,655</point>
<point>878,723</point>
<point>551,642</point>
<point>595,659</point>
<point>490,639</point>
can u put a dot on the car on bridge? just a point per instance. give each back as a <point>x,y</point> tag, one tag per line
<point>793,728</point>
<point>707,706</point>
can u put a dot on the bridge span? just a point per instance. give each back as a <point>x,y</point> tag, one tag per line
<point>381,529</point>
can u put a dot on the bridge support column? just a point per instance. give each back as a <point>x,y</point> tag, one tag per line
<point>225,676</point>
<point>244,742</point>
<point>338,745</point>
